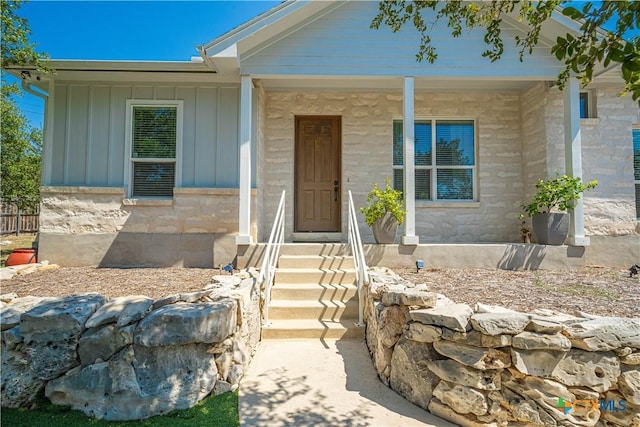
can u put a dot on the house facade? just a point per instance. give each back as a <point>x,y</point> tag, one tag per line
<point>183,163</point>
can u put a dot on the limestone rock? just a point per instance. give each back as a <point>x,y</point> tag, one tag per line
<point>161,302</point>
<point>454,372</point>
<point>500,323</point>
<point>477,339</point>
<point>441,410</point>
<point>12,337</point>
<point>475,357</point>
<point>228,281</point>
<point>543,325</point>
<point>10,313</point>
<point>596,370</point>
<point>410,297</point>
<point>605,333</point>
<point>533,341</point>
<point>18,384</point>
<point>191,297</point>
<point>540,363</point>
<point>120,310</point>
<point>104,342</point>
<point>486,308</point>
<point>463,400</point>
<point>147,382</point>
<point>629,385</point>
<point>455,317</point>
<point>423,333</point>
<point>50,359</point>
<point>621,412</point>
<point>409,375</point>
<point>391,324</point>
<point>631,359</point>
<point>187,323</point>
<point>60,318</point>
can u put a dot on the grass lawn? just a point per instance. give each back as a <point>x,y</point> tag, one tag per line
<point>216,411</point>
<point>23,241</point>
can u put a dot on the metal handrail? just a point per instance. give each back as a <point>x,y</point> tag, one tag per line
<point>270,259</point>
<point>362,273</point>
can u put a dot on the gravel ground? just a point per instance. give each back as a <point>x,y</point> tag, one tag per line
<point>598,291</point>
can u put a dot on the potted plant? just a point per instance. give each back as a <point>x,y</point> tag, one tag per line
<point>384,212</point>
<point>558,194</point>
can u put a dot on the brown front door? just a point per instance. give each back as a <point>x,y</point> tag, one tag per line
<point>318,149</point>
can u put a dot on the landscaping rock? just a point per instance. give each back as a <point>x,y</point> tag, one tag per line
<point>120,310</point>
<point>441,410</point>
<point>409,377</point>
<point>463,400</point>
<point>10,314</point>
<point>423,333</point>
<point>629,385</point>
<point>475,357</point>
<point>102,343</point>
<point>184,323</point>
<point>455,317</point>
<point>500,323</point>
<point>454,372</point>
<point>605,333</point>
<point>477,339</point>
<point>536,362</point>
<point>391,324</point>
<point>410,297</point>
<point>533,341</point>
<point>596,370</point>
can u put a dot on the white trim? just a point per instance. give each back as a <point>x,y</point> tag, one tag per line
<point>408,149</point>
<point>573,157</point>
<point>244,208</point>
<point>47,149</point>
<point>130,103</point>
<point>433,167</point>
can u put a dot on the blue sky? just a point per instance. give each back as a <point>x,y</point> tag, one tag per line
<point>143,30</point>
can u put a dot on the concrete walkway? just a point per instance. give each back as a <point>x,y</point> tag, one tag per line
<point>322,383</point>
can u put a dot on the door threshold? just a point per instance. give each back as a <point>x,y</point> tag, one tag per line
<point>317,237</point>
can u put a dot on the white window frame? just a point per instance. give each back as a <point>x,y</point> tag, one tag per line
<point>591,104</point>
<point>129,159</point>
<point>434,168</point>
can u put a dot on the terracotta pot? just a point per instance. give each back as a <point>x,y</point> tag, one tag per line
<point>385,229</point>
<point>22,256</point>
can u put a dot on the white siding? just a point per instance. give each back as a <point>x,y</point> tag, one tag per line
<point>89,133</point>
<point>341,43</point>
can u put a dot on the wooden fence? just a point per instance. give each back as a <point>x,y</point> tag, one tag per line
<point>16,221</point>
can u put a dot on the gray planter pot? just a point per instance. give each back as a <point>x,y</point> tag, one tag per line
<point>551,228</point>
<point>385,229</point>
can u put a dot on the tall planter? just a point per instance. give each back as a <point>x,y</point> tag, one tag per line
<point>550,228</point>
<point>385,229</point>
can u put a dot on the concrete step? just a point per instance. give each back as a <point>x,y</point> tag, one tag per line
<point>312,329</point>
<point>321,249</point>
<point>315,275</point>
<point>316,261</point>
<point>314,292</point>
<point>325,310</point>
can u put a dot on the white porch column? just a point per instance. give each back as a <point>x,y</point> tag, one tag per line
<point>244,210</point>
<point>573,156</point>
<point>408,130</point>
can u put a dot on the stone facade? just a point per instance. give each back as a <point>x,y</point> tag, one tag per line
<point>490,366</point>
<point>194,229</point>
<point>130,357</point>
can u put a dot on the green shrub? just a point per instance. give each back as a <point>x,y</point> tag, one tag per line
<point>381,201</point>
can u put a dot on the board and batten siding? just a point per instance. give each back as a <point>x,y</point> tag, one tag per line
<point>341,42</point>
<point>90,128</point>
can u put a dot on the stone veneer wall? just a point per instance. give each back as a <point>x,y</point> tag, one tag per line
<point>100,226</point>
<point>367,119</point>
<point>492,366</point>
<point>130,357</point>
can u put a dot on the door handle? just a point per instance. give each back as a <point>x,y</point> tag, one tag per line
<point>335,190</point>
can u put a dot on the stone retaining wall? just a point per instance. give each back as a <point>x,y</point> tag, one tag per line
<point>492,366</point>
<point>130,357</point>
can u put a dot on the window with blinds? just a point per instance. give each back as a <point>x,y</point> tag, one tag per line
<point>444,159</point>
<point>636,166</point>
<point>153,150</point>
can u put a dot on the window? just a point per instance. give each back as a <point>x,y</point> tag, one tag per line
<point>444,159</point>
<point>154,144</point>
<point>587,105</point>
<point>636,166</point>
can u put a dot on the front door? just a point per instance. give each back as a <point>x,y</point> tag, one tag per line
<point>317,173</point>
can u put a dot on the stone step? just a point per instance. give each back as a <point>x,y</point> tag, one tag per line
<point>315,275</point>
<point>313,310</point>
<point>316,261</point>
<point>312,329</point>
<point>319,249</point>
<point>314,292</point>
